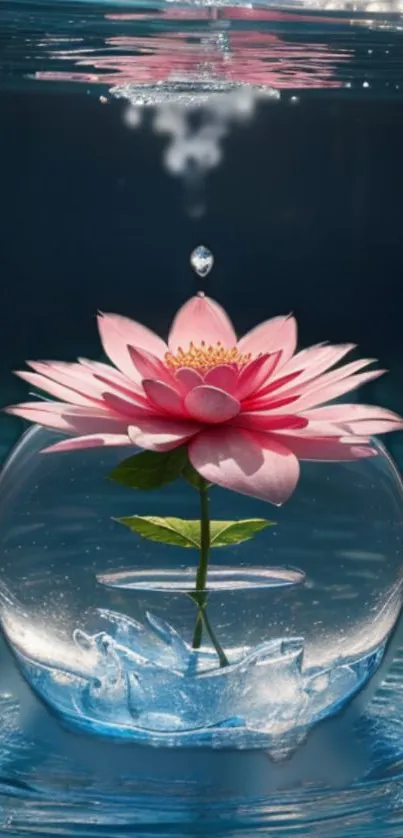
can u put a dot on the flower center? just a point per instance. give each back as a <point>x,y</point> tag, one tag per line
<point>204,357</point>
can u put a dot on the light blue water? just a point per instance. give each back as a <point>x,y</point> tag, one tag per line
<point>346,776</point>
<point>149,686</point>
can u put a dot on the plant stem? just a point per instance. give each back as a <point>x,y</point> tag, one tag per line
<point>201,578</point>
<point>220,651</point>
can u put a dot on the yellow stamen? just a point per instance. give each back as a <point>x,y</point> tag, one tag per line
<point>204,358</point>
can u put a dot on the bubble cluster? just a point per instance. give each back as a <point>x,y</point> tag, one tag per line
<point>195,124</point>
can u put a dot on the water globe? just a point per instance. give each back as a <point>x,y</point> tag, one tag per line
<point>101,621</point>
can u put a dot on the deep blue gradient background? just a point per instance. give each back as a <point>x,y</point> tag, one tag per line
<point>304,214</point>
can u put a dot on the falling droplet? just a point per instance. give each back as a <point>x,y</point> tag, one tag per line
<point>202,260</point>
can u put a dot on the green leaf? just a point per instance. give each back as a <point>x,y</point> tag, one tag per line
<point>224,533</point>
<point>182,533</point>
<point>150,469</point>
<point>193,477</point>
<point>166,530</point>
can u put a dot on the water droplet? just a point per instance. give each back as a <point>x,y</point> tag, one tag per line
<point>202,260</point>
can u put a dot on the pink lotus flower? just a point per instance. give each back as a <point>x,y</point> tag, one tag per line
<point>248,410</point>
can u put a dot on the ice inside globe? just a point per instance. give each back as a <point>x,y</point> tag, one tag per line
<point>101,621</point>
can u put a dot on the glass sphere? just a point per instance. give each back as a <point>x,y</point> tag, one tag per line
<point>101,621</point>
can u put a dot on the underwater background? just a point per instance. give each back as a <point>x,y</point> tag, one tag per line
<point>303,214</point>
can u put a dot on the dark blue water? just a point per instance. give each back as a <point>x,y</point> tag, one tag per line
<point>303,213</point>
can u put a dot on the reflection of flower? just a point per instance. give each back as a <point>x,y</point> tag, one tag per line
<point>215,49</point>
<point>247,410</point>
